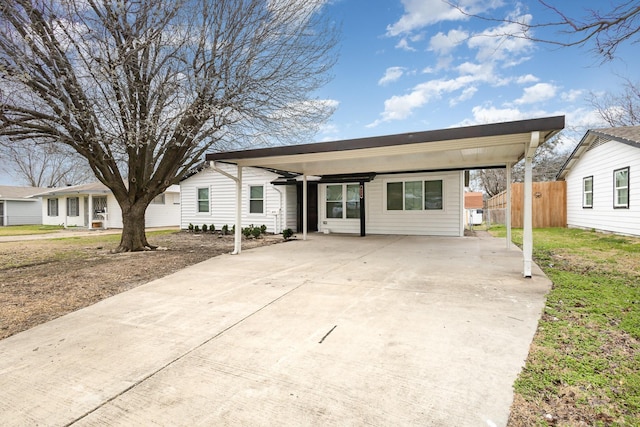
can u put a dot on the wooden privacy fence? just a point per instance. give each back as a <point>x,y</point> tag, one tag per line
<point>549,205</point>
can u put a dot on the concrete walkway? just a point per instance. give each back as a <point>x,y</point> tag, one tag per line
<point>337,330</point>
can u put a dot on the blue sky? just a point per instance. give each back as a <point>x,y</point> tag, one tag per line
<point>411,65</point>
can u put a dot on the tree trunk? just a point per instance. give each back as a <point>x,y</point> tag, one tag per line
<point>133,233</point>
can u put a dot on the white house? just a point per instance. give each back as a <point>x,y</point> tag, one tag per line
<point>603,181</point>
<point>94,206</point>
<point>408,183</point>
<point>209,197</point>
<point>18,208</point>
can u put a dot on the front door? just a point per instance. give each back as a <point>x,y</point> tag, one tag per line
<point>312,206</point>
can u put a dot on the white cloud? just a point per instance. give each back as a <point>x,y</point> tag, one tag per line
<point>537,93</point>
<point>404,45</point>
<point>529,78</point>
<point>503,42</point>
<point>391,75</point>
<point>464,96</point>
<point>571,95</point>
<point>445,43</point>
<point>421,13</point>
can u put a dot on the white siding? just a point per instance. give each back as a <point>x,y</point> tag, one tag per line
<point>600,162</point>
<point>222,199</point>
<point>445,222</point>
<point>291,210</point>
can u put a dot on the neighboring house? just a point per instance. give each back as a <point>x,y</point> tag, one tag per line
<point>209,197</point>
<point>94,206</point>
<point>18,208</point>
<point>473,204</point>
<point>603,181</point>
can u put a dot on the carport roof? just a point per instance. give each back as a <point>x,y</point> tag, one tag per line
<point>470,147</point>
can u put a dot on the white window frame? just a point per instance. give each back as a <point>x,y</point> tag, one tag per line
<point>263,199</point>
<point>616,189</point>
<point>199,200</point>
<point>158,200</point>
<point>52,203</point>
<point>585,192</point>
<point>423,207</point>
<point>343,200</point>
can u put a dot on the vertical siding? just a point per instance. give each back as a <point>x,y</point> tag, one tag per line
<point>445,222</point>
<point>600,162</point>
<point>222,199</point>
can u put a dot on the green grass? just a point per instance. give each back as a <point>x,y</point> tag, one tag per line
<point>586,352</point>
<point>23,230</point>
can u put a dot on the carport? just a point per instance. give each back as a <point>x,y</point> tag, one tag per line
<point>498,145</point>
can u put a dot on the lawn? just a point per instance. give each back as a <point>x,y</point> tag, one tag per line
<point>584,363</point>
<point>23,230</point>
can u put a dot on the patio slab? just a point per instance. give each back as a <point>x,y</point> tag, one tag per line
<point>335,330</point>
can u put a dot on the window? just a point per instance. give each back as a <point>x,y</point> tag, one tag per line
<point>73,206</point>
<point>353,200</point>
<point>203,199</point>
<point>334,201</point>
<point>256,199</point>
<point>343,201</point>
<point>52,207</point>
<point>587,192</point>
<point>621,188</point>
<point>414,195</point>
<point>433,195</point>
<point>158,200</point>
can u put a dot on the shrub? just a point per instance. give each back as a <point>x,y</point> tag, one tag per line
<point>204,228</point>
<point>246,232</point>
<point>212,228</point>
<point>263,229</point>
<point>190,227</point>
<point>287,234</point>
<point>196,228</point>
<point>225,230</point>
<point>256,232</point>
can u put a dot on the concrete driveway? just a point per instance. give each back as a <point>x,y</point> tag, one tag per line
<point>337,330</point>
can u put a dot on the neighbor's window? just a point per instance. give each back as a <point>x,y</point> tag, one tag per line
<point>158,200</point>
<point>621,188</point>
<point>414,195</point>
<point>587,192</point>
<point>343,201</point>
<point>52,207</point>
<point>334,201</point>
<point>203,199</point>
<point>256,199</point>
<point>433,195</point>
<point>73,206</point>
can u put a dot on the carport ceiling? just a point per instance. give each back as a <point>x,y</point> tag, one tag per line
<point>469,147</point>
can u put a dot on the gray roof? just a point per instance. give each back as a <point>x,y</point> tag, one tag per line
<point>11,192</point>
<point>629,135</point>
<point>92,188</point>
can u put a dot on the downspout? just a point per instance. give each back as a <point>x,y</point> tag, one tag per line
<point>237,240</point>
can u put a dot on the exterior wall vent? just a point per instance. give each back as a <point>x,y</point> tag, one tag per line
<point>599,141</point>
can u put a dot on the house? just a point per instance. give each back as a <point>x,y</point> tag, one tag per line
<point>208,197</point>
<point>17,207</point>
<point>603,181</point>
<point>473,204</point>
<point>409,183</point>
<point>94,206</point>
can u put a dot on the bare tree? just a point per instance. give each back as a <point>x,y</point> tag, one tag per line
<point>142,89</point>
<point>619,109</point>
<point>43,165</point>
<point>615,23</point>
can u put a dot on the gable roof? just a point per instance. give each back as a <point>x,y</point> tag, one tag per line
<point>481,146</point>
<point>629,135</point>
<point>17,193</point>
